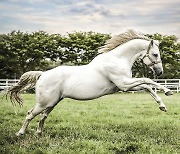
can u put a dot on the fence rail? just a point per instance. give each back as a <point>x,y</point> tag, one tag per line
<point>173,84</point>
<point>6,83</point>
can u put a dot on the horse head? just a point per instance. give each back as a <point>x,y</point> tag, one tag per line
<point>152,57</point>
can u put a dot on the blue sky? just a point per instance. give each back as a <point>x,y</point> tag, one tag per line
<point>104,16</point>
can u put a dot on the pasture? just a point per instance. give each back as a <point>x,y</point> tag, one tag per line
<point>114,124</point>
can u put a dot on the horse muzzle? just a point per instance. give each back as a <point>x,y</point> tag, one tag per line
<point>158,69</point>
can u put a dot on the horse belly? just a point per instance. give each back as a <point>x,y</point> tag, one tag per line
<point>89,90</point>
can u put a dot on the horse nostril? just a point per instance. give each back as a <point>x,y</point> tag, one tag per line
<point>160,73</point>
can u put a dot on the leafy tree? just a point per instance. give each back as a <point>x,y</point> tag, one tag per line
<point>8,62</point>
<point>21,52</point>
<point>81,47</point>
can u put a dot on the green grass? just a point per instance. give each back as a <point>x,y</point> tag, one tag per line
<point>115,124</point>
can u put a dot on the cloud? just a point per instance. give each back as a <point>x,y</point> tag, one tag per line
<point>88,7</point>
<point>155,16</point>
<point>84,11</point>
<point>105,16</point>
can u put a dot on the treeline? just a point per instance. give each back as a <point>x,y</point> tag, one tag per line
<point>21,52</point>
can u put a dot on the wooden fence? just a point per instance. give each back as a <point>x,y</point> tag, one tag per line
<point>173,84</point>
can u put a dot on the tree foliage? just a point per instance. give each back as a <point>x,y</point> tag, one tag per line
<point>21,52</point>
<point>81,47</point>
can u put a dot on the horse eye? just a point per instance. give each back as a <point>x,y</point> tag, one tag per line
<point>155,55</point>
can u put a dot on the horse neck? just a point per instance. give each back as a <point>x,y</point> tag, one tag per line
<point>131,50</point>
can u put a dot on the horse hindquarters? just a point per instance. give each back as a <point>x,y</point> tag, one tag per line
<point>47,97</point>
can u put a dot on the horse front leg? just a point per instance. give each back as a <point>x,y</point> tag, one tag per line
<point>129,83</point>
<point>158,99</point>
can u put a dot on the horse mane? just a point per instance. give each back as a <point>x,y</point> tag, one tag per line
<point>120,39</point>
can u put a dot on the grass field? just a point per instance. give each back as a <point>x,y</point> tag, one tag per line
<point>115,124</point>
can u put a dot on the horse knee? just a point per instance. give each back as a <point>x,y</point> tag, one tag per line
<point>29,117</point>
<point>30,111</point>
<point>44,116</point>
<point>159,100</point>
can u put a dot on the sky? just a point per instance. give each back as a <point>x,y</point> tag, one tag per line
<point>103,16</point>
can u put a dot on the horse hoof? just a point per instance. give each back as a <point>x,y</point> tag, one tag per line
<point>168,93</point>
<point>162,108</point>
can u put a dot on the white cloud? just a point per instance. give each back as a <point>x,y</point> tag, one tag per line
<point>106,16</point>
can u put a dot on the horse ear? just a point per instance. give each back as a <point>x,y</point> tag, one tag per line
<point>151,43</point>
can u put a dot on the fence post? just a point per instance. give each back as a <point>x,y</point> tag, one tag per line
<point>165,83</point>
<point>6,82</point>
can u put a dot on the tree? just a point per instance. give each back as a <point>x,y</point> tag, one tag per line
<point>81,47</point>
<point>8,63</point>
<point>21,52</point>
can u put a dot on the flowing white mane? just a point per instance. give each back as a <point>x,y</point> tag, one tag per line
<point>120,39</point>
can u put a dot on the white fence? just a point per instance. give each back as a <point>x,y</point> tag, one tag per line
<point>173,84</point>
<point>6,83</point>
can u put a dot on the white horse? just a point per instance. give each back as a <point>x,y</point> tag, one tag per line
<point>107,73</point>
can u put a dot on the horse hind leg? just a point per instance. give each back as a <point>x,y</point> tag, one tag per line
<point>30,115</point>
<point>44,116</point>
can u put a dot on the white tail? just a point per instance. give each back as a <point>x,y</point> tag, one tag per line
<point>27,80</point>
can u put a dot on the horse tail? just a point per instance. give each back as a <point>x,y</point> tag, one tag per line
<point>28,80</point>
